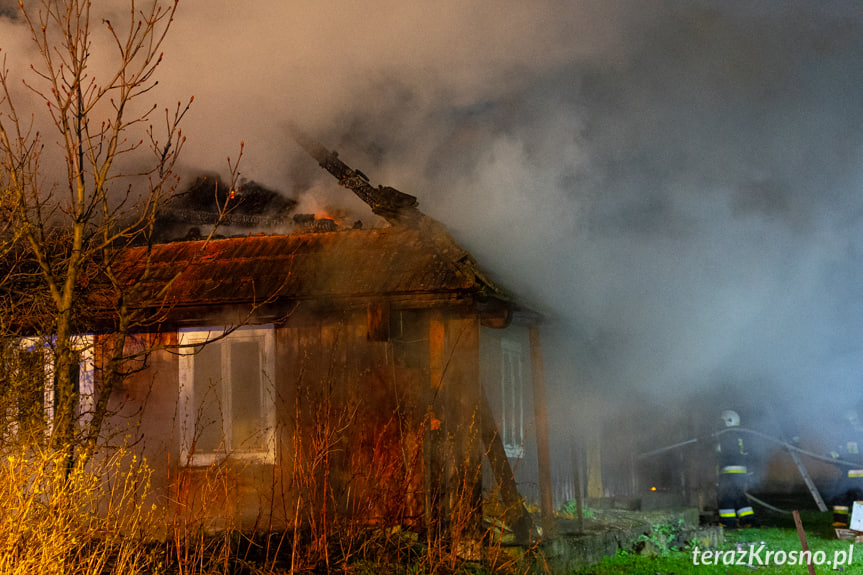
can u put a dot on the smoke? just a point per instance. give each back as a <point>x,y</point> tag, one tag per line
<point>675,183</point>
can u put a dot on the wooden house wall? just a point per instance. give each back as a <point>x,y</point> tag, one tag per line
<point>361,425</point>
<point>524,467</point>
<point>350,420</point>
<point>144,409</point>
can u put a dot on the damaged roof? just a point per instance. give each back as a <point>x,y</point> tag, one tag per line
<point>414,261</point>
<point>385,262</point>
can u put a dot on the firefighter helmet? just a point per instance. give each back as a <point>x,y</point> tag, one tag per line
<point>730,418</point>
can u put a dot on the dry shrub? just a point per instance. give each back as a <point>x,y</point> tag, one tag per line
<point>202,535</point>
<point>347,512</point>
<point>73,519</point>
<point>364,509</point>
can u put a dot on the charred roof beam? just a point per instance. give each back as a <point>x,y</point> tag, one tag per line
<point>385,201</point>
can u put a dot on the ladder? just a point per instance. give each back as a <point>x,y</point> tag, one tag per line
<point>819,501</point>
<point>807,479</point>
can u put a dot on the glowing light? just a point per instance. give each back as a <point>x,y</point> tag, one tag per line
<point>653,488</point>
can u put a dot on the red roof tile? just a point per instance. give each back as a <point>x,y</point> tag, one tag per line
<point>379,262</point>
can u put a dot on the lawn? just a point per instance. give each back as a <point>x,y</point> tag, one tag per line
<point>772,549</point>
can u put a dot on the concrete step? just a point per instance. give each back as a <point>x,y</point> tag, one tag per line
<point>638,531</point>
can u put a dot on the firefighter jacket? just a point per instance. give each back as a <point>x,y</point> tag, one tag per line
<point>732,454</point>
<point>850,452</point>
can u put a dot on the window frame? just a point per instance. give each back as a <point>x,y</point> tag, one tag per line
<point>81,344</point>
<point>189,339</point>
<point>512,432</point>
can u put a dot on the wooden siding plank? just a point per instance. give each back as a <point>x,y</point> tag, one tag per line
<point>433,447</point>
<point>542,441</point>
<point>462,392</point>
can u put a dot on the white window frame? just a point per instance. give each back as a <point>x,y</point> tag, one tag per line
<point>81,344</point>
<point>188,339</point>
<point>512,398</point>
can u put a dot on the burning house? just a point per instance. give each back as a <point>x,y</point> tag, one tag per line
<point>376,374</point>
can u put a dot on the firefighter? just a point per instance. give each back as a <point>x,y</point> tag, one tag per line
<point>849,486</point>
<point>734,508</point>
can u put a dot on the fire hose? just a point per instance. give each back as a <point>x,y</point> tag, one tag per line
<point>781,442</point>
<point>792,449</point>
<point>754,499</point>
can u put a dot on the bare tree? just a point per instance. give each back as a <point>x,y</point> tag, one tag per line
<point>119,152</point>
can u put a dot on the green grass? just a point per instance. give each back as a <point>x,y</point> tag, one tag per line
<point>778,534</point>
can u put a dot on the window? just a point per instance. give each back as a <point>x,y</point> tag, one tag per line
<point>226,395</point>
<point>32,402</point>
<point>32,407</point>
<point>512,395</point>
<point>409,334</point>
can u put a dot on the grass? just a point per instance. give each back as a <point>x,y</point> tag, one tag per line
<point>777,534</point>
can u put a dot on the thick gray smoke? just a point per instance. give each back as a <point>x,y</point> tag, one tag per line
<point>677,183</point>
